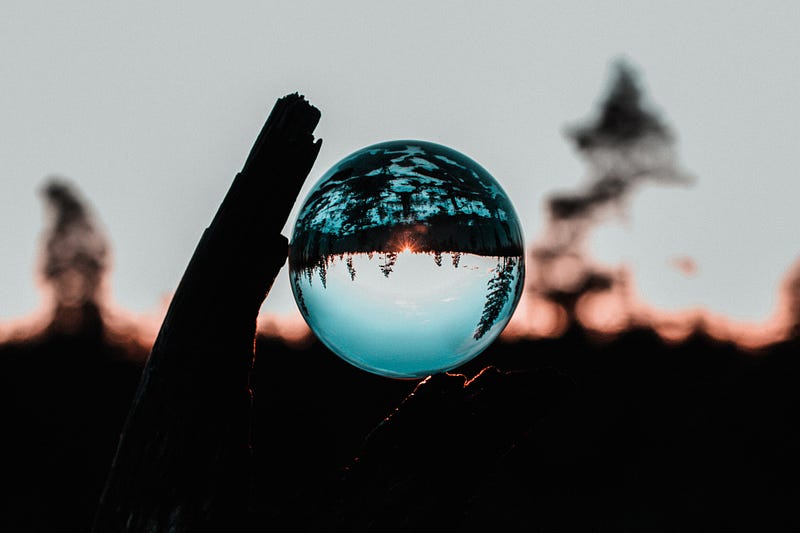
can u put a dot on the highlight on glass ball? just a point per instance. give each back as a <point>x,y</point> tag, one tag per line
<point>407,259</point>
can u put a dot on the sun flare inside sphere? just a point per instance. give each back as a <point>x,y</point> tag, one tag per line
<point>407,259</point>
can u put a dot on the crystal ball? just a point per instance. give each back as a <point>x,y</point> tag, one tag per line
<point>407,259</point>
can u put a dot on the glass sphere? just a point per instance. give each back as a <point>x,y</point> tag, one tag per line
<point>407,259</point>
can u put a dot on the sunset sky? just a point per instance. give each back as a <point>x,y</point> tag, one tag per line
<point>151,109</point>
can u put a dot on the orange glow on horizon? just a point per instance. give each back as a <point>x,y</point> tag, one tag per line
<point>536,318</point>
<point>407,240</point>
<point>290,329</point>
<point>122,328</point>
<point>675,327</point>
<point>606,313</point>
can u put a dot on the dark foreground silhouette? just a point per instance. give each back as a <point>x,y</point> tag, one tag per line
<point>63,397</point>
<point>558,434</point>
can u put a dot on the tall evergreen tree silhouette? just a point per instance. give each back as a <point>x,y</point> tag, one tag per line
<point>386,267</point>
<point>499,291</point>
<point>350,269</point>
<point>301,302</point>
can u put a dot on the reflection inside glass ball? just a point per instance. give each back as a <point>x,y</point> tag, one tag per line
<point>407,259</point>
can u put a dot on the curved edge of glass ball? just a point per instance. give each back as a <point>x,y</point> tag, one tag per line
<point>404,195</point>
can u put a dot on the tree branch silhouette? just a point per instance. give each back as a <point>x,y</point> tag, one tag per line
<point>183,459</point>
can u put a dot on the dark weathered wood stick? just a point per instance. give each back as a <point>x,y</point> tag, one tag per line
<point>182,461</point>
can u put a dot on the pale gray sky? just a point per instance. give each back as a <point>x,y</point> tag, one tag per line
<point>151,109</point>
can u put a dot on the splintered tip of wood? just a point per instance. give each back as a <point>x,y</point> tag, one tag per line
<point>304,116</point>
<point>292,118</point>
<point>301,117</point>
<point>294,96</point>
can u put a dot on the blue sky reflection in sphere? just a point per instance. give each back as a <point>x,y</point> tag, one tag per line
<point>407,259</point>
